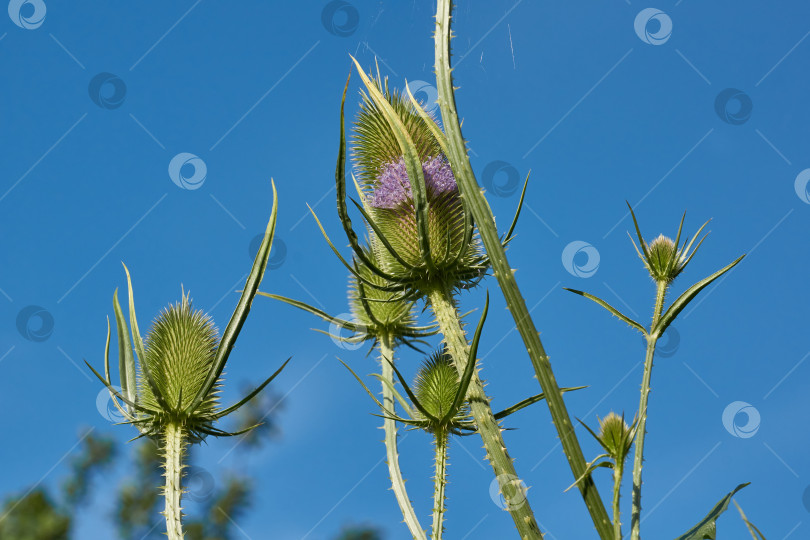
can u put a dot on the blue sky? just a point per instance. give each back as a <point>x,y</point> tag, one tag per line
<point>97,99</point>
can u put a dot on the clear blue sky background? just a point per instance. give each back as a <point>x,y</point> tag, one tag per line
<point>567,90</point>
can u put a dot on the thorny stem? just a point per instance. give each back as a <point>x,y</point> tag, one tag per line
<point>392,454</point>
<point>511,487</point>
<point>174,447</point>
<point>638,460</point>
<point>439,483</point>
<point>471,192</point>
<point>618,471</point>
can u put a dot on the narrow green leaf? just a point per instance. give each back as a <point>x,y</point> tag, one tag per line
<point>242,308</point>
<point>756,534</point>
<point>530,401</point>
<point>413,162</point>
<point>315,311</point>
<point>511,230</point>
<point>126,361</point>
<point>707,527</point>
<point>679,304</point>
<point>232,408</point>
<point>139,348</point>
<point>611,309</point>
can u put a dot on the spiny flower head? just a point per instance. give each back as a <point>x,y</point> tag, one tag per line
<point>615,436</point>
<point>436,386</point>
<point>180,351</point>
<point>665,258</point>
<point>434,245</point>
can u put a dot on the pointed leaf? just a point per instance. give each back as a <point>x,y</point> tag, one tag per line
<point>707,527</point>
<point>530,401</point>
<point>126,361</point>
<point>242,308</point>
<point>251,395</point>
<point>611,309</point>
<point>678,305</point>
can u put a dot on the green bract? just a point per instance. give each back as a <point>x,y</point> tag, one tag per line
<point>181,361</point>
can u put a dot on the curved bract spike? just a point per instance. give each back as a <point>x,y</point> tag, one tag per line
<point>466,377</point>
<point>126,361</point>
<point>611,309</point>
<point>530,401</point>
<point>315,311</point>
<point>242,308</point>
<point>251,395</point>
<point>413,164</point>
<point>381,237</point>
<point>644,249</point>
<point>679,304</point>
<point>508,235</point>
<point>139,348</point>
<point>411,395</point>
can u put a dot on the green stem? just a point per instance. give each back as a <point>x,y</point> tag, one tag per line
<point>439,483</point>
<point>638,460</point>
<point>390,426</point>
<point>174,446</point>
<point>447,317</point>
<point>618,471</point>
<point>477,204</point>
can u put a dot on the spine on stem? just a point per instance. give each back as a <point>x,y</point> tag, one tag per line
<point>174,448</point>
<point>638,459</point>
<point>510,484</point>
<point>392,454</point>
<point>440,481</point>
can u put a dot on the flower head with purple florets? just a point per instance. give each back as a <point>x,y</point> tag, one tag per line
<point>393,187</point>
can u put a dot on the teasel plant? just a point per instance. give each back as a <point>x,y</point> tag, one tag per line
<point>455,147</point>
<point>437,404</point>
<point>428,248</point>
<point>171,394</point>
<point>616,438</point>
<point>385,321</point>
<point>664,260</point>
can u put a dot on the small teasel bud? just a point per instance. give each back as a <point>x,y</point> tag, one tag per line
<point>615,436</point>
<point>436,386</point>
